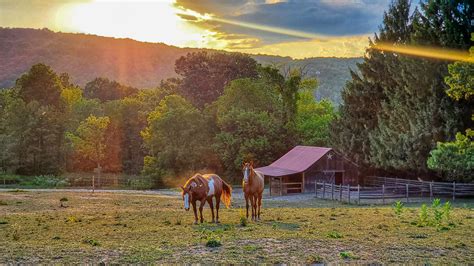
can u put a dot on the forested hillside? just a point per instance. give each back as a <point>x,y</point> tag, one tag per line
<point>133,63</point>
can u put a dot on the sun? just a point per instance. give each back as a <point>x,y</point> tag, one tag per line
<point>142,20</point>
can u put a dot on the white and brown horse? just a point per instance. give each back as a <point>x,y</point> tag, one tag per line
<point>203,188</point>
<point>253,184</point>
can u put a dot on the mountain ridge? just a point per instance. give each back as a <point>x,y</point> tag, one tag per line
<point>131,62</point>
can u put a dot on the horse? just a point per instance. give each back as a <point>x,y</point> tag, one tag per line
<point>253,184</point>
<point>203,188</point>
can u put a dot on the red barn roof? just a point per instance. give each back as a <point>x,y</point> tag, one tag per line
<point>298,160</point>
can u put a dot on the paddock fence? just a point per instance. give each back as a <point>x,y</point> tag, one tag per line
<point>385,189</point>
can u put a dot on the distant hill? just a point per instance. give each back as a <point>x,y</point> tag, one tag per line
<point>130,62</point>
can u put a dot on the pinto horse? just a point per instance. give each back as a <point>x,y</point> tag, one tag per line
<point>253,184</point>
<point>203,188</point>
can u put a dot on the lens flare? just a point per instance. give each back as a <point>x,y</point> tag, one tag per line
<point>428,52</point>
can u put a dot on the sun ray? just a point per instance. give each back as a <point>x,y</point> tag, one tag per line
<point>427,52</point>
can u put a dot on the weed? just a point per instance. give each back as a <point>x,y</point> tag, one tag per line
<point>314,259</point>
<point>91,242</point>
<point>334,234</point>
<point>56,238</point>
<point>347,255</point>
<point>251,248</point>
<point>15,235</point>
<point>438,213</point>
<point>447,211</point>
<point>3,203</point>
<point>62,201</point>
<point>423,216</point>
<point>398,208</point>
<point>418,236</point>
<point>3,222</point>
<point>213,241</point>
<point>243,221</point>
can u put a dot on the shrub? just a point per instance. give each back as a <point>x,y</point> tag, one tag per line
<point>48,181</point>
<point>213,241</point>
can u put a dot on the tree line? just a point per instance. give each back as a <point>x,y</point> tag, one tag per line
<point>401,115</point>
<point>223,108</point>
<point>405,115</point>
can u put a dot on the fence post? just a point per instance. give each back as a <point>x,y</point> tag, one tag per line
<point>407,192</point>
<point>316,189</point>
<point>358,194</point>
<point>454,191</point>
<point>383,194</point>
<point>340,192</point>
<point>431,190</point>
<point>93,184</point>
<point>332,191</point>
<point>349,193</point>
<point>324,189</point>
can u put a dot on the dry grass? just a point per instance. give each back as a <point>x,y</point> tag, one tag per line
<point>131,228</point>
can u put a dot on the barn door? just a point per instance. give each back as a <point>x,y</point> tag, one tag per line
<point>338,178</point>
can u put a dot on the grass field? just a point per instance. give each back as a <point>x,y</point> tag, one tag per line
<point>134,227</point>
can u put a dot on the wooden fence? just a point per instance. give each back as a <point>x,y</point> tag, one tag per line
<point>384,188</point>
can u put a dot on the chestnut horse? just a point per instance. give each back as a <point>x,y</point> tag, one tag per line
<point>253,184</point>
<point>203,188</point>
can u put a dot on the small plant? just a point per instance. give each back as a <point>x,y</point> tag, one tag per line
<point>213,241</point>
<point>347,255</point>
<point>3,203</point>
<point>423,216</point>
<point>334,234</point>
<point>62,201</point>
<point>447,211</point>
<point>314,259</point>
<point>438,213</point>
<point>178,221</point>
<point>91,242</point>
<point>398,208</point>
<point>3,222</point>
<point>243,221</point>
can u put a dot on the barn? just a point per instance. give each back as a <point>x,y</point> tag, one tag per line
<point>298,170</point>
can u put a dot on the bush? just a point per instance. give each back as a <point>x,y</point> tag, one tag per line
<point>48,181</point>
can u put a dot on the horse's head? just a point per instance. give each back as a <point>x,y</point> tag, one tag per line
<point>247,169</point>
<point>187,192</point>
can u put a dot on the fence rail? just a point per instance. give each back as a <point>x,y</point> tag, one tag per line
<point>381,188</point>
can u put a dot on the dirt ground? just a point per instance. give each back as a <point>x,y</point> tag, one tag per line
<point>152,227</point>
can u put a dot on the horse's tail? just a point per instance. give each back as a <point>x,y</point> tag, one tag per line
<point>226,196</point>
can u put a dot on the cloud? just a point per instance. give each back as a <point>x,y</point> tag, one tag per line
<point>323,17</point>
<point>353,46</point>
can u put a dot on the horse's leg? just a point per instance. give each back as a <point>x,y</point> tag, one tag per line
<point>252,202</point>
<point>195,212</point>
<point>218,203</point>
<point>259,204</point>
<point>247,204</point>
<point>211,204</point>
<point>200,209</point>
<point>255,199</point>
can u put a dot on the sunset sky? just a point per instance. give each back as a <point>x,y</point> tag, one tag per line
<point>296,28</point>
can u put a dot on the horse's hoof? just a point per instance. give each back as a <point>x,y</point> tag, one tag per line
<point>195,222</point>
<point>217,222</point>
<point>213,221</point>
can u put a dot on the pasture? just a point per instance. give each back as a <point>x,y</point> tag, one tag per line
<point>134,227</point>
